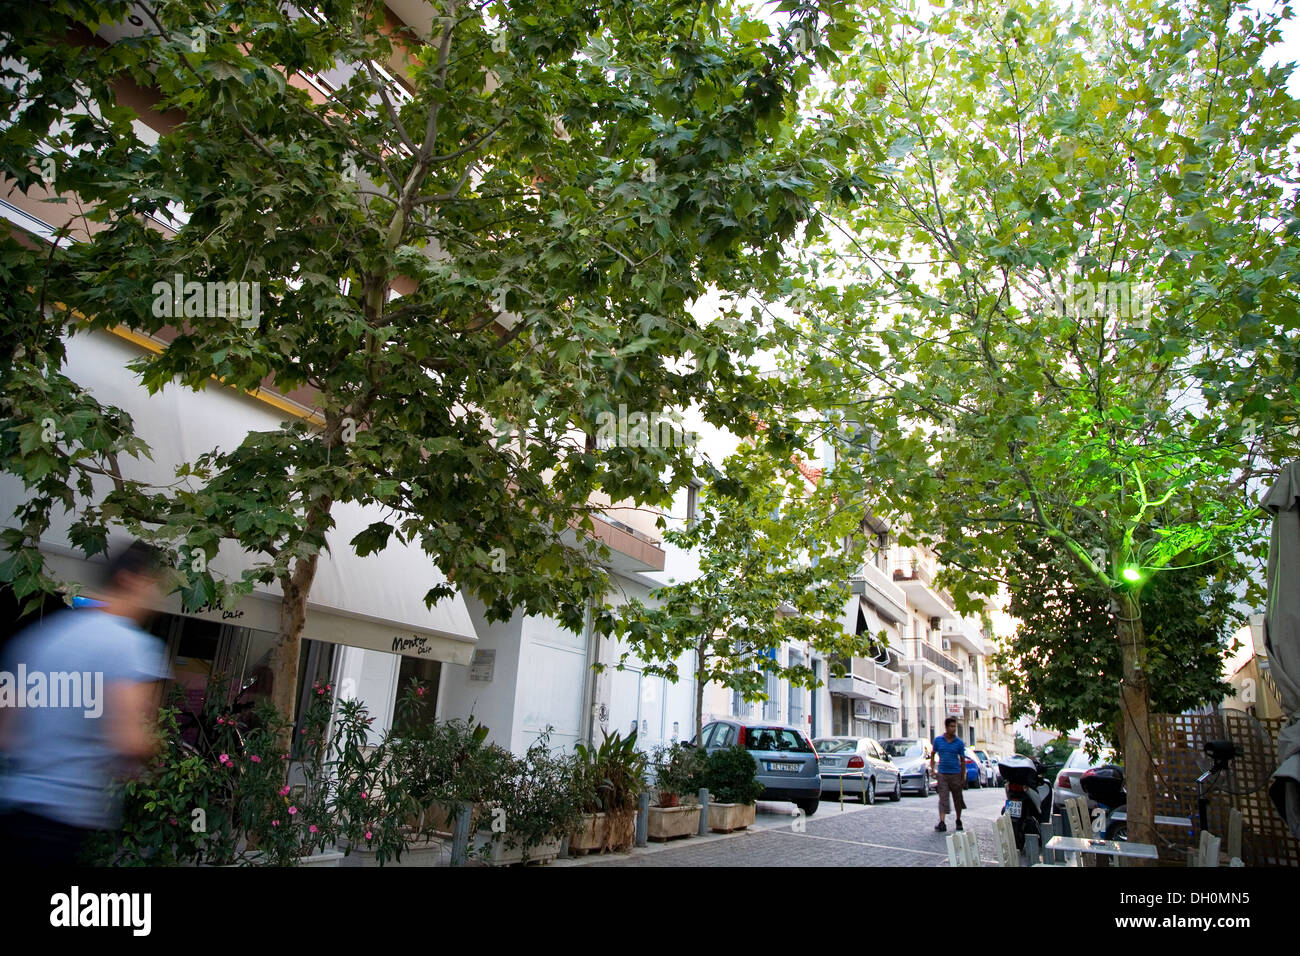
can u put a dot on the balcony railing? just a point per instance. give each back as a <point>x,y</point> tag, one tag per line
<point>936,657</point>
<point>879,675</point>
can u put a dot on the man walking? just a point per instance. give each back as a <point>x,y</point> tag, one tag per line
<point>65,754</point>
<point>950,751</point>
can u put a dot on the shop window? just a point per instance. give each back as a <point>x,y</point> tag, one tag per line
<point>428,673</point>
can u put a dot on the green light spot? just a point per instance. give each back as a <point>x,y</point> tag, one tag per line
<point>1131,574</point>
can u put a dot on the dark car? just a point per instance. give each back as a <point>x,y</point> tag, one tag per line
<point>787,761</point>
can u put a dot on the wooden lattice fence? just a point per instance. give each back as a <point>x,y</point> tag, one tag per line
<point>1178,746</point>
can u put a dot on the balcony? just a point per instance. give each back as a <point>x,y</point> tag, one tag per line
<point>958,630</point>
<point>889,599</point>
<point>869,681</point>
<point>914,571</point>
<point>923,652</point>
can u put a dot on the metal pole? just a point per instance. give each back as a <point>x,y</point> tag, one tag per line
<point>704,811</point>
<point>643,819</point>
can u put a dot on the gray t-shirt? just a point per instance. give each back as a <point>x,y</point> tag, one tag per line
<point>61,764</point>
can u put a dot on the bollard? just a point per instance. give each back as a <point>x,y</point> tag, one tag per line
<point>643,819</point>
<point>704,811</point>
<point>460,835</point>
<point>1032,848</point>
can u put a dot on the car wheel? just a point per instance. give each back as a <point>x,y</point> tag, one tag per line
<point>898,790</point>
<point>870,798</point>
<point>809,807</point>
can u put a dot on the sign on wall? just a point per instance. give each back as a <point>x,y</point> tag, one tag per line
<point>483,664</point>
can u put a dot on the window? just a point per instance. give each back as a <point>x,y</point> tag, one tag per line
<point>724,735</point>
<point>779,739</point>
<point>832,746</point>
<point>427,672</point>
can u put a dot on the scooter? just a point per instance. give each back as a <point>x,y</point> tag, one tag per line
<point>1029,796</point>
<point>1105,786</point>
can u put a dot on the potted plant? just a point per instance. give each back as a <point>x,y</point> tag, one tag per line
<point>679,774</point>
<point>536,806</point>
<point>731,776</point>
<point>611,778</point>
<point>443,765</point>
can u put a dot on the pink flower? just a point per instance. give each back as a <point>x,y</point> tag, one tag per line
<point>275,823</point>
<point>303,732</point>
<point>172,821</point>
<point>284,791</point>
<point>363,795</point>
<point>419,691</point>
<point>255,758</point>
<point>319,692</point>
<point>224,758</point>
<point>369,835</point>
<point>313,828</point>
<point>292,811</point>
<point>221,720</point>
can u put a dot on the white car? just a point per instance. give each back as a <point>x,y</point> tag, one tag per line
<point>1067,779</point>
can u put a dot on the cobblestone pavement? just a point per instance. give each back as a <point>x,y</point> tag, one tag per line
<point>886,834</point>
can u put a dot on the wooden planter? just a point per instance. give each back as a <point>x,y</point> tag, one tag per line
<point>494,852</point>
<point>726,817</point>
<point>669,823</point>
<point>589,834</point>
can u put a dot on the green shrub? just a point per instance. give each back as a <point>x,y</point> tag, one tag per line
<point>731,774</point>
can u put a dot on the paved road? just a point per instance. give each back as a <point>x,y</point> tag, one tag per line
<point>886,834</point>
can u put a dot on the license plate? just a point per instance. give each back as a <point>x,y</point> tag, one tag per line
<point>1013,808</point>
<point>783,767</point>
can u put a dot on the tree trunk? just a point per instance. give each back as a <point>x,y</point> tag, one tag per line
<point>295,588</point>
<point>699,692</point>
<point>1135,713</point>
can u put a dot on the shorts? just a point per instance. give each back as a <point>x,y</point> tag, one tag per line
<point>953,783</point>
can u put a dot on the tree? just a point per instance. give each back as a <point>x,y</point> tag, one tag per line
<point>1064,310</point>
<point>548,187</point>
<point>773,568</point>
<point>1063,669</point>
<point>1023,746</point>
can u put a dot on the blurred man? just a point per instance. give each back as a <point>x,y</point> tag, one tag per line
<point>78,703</point>
<point>950,751</point>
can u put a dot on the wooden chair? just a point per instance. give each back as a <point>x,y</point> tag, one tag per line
<point>963,849</point>
<point>1004,838</point>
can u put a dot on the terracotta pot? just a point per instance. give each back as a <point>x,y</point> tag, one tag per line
<point>669,800</point>
<point>725,817</point>
<point>667,823</point>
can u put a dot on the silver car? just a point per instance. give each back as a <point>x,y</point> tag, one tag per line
<point>911,755</point>
<point>1067,779</point>
<point>787,762</point>
<point>858,767</point>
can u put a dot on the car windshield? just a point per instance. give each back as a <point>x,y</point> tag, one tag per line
<point>1080,760</point>
<point>776,738</point>
<point>832,746</point>
<point>901,748</point>
<point>982,755</point>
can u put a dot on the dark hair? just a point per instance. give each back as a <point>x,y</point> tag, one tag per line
<point>950,720</point>
<point>138,558</point>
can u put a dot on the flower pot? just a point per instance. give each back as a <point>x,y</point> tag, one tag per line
<point>432,852</point>
<point>726,817</point>
<point>332,858</point>
<point>588,834</point>
<point>669,800</point>
<point>668,823</point>
<point>493,851</point>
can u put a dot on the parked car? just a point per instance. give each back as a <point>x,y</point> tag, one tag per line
<point>911,755</point>
<point>1067,779</point>
<point>990,768</point>
<point>787,761</point>
<point>975,772</point>
<point>859,767</point>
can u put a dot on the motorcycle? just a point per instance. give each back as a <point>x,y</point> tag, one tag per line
<point>1105,786</point>
<point>1029,796</point>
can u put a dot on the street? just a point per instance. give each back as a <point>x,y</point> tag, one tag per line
<point>886,834</point>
